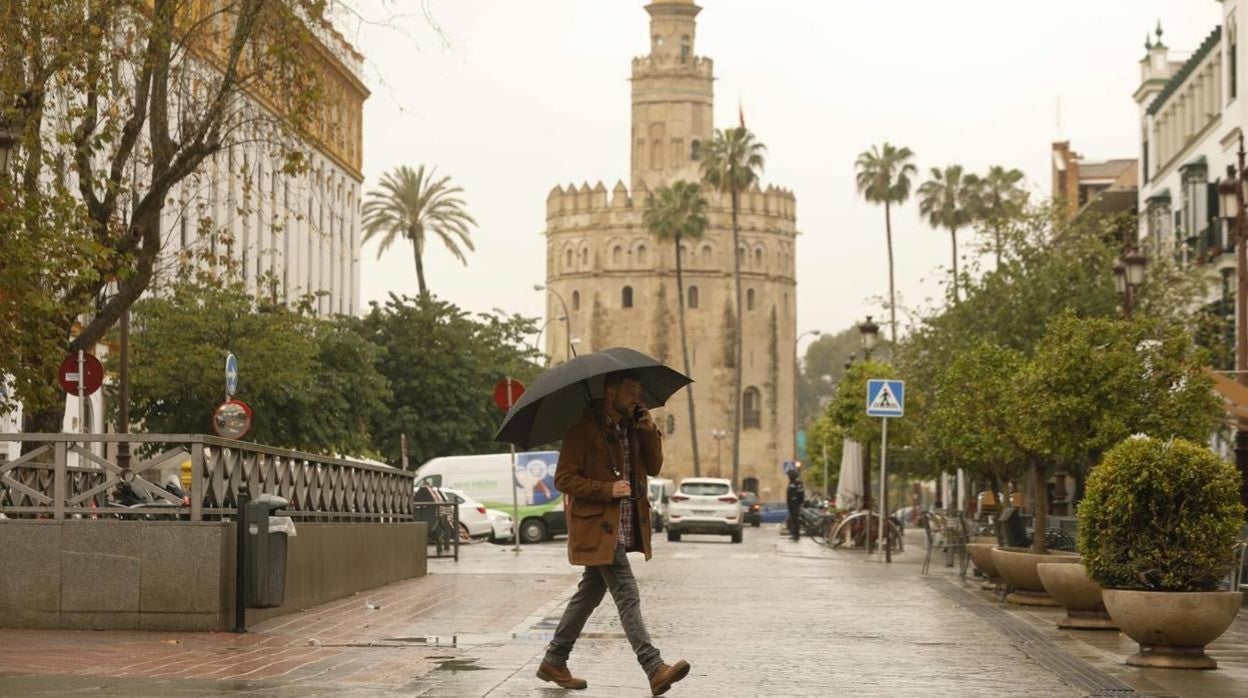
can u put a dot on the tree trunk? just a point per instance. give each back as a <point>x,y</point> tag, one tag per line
<point>738,359</point>
<point>892,293</point>
<point>996,233</point>
<point>1040,519</point>
<point>684,350</point>
<point>420,268</point>
<point>953,234</point>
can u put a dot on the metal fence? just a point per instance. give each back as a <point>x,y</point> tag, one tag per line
<point>42,484</point>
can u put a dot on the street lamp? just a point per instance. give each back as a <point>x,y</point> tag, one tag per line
<point>850,362</point>
<point>567,322</point>
<point>718,435</point>
<point>870,337</point>
<point>1128,276</point>
<point>1233,191</point>
<point>797,362</point>
<point>8,143</point>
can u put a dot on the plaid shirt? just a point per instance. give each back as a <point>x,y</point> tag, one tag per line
<point>628,510</point>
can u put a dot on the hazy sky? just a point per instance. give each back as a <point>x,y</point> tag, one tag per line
<point>526,95</point>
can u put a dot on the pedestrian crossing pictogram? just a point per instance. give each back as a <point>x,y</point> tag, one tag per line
<point>885,398</point>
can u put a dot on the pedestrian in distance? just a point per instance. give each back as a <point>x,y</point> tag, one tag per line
<point>602,467</point>
<point>795,496</point>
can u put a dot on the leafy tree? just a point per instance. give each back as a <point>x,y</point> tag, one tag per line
<point>732,163</point>
<point>946,201</point>
<point>312,383</point>
<point>822,366</point>
<point>996,199</point>
<point>883,177</point>
<point>414,204</point>
<point>442,364</point>
<point>675,214</point>
<point>132,99</point>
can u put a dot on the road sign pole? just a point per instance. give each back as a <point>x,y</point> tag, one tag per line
<point>82,396</point>
<point>888,553</point>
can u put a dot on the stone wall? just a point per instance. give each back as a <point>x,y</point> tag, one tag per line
<point>173,575</point>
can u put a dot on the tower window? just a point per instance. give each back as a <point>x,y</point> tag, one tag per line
<point>708,255</point>
<point>695,150</point>
<point>576,300</point>
<point>626,297</point>
<point>641,255</point>
<point>567,260</point>
<point>751,409</point>
<point>684,49</point>
<point>617,255</point>
<point>749,299</point>
<point>585,257</point>
<point>693,297</point>
<point>758,258</point>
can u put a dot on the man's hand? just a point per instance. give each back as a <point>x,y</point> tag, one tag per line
<point>620,489</point>
<point>646,423</point>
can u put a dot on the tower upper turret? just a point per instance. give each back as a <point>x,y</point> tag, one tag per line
<point>672,98</point>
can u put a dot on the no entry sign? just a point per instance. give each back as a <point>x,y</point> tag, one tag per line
<point>507,392</point>
<point>92,374</point>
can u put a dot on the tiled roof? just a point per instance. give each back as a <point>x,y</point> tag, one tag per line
<point>1188,66</point>
<point>1104,169</point>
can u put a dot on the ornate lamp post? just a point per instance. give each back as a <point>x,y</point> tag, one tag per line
<point>718,435</point>
<point>567,322</point>
<point>797,375</point>
<point>870,337</point>
<point>1128,275</point>
<point>1232,192</point>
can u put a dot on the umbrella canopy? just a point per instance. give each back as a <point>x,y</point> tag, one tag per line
<point>557,398</point>
<point>849,486</point>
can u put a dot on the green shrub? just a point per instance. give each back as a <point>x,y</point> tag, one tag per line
<point>1160,516</point>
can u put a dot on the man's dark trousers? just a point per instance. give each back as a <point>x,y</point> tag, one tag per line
<point>795,522</point>
<point>597,580</point>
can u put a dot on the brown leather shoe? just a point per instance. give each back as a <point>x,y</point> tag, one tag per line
<point>666,675</point>
<point>560,676</point>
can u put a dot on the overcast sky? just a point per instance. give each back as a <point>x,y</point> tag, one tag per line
<point>526,95</point>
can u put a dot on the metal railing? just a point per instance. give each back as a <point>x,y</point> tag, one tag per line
<point>42,483</point>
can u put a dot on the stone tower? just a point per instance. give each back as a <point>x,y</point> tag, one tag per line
<point>619,283</point>
<point>672,99</point>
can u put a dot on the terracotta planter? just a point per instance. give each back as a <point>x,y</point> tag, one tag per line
<point>1173,627</point>
<point>1070,586</point>
<point>1018,568</point>
<point>981,555</point>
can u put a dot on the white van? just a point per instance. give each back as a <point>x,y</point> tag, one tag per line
<point>488,479</point>
<point>661,491</point>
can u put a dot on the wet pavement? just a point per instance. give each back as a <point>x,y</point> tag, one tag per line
<point>765,617</point>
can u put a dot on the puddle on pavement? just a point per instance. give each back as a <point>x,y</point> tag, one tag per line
<point>457,665</point>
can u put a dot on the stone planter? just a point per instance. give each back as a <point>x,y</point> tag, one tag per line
<point>1172,627</point>
<point>1070,586</point>
<point>981,555</point>
<point>1018,568</point>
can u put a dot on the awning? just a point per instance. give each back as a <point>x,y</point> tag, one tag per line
<point>1234,395</point>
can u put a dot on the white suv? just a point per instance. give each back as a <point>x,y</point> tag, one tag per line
<point>704,505</point>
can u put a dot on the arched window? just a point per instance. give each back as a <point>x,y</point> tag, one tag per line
<point>641,255</point>
<point>708,255</point>
<point>758,258</point>
<point>576,300</point>
<point>617,256</point>
<point>749,299</point>
<point>585,257</point>
<point>693,297</point>
<point>751,409</point>
<point>626,297</point>
<point>685,48</point>
<point>695,150</point>
<point>742,257</point>
<point>656,155</point>
<point>567,260</point>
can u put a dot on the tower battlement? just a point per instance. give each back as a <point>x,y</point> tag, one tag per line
<point>772,201</point>
<point>662,66</point>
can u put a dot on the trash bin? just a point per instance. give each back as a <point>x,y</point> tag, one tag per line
<point>265,553</point>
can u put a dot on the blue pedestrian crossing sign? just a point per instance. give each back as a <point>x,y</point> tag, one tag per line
<point>886,398</point>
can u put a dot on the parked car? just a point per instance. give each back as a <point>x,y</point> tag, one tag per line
<point>504,528</point>
<point>750,508</point>
<point>473,518</point>
<point>661,490</point>
<point>704,505</point>
<point>773,512</point>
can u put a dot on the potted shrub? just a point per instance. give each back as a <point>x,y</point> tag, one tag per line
<point>1159,523</point>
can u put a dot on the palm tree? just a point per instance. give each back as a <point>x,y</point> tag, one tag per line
<point>732,163</point>
<point>946,200</point>
<point>884,178</point>
<point>674,214</point>
<point>412,204</point>
<point>1000,197</point>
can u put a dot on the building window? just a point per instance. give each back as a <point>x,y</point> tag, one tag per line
<point>585,257</point>
<point>749,299</point>
<point>708,255</point>
<point>1144,154</point>
<point>1233,65</point>
<point>684,49</point>
<point>567,260</point>
<point>626,297</point>
<point>695,150</point>
<point>693,297</point>
<point>751,409</point>
<point>758,258</point>
<point>576,300</point>
<point>617,256</point>
<point>741,256</point>
<point>641,255</point>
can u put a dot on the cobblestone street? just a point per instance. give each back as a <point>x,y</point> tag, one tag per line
<point>767,617</point>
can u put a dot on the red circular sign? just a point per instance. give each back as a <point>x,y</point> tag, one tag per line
<point>507,392</point>
<point>232,419</point>
<point>91,367</point>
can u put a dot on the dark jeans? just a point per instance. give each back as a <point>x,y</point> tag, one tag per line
<point>795,523</point>
<point>617,578</point>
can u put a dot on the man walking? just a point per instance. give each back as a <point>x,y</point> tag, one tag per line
<point>795,496</point>
<point>601,472</point>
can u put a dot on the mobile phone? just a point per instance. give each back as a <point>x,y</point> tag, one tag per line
<point>638,413</point>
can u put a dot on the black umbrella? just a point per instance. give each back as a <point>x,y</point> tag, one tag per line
<point>557,398</point>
